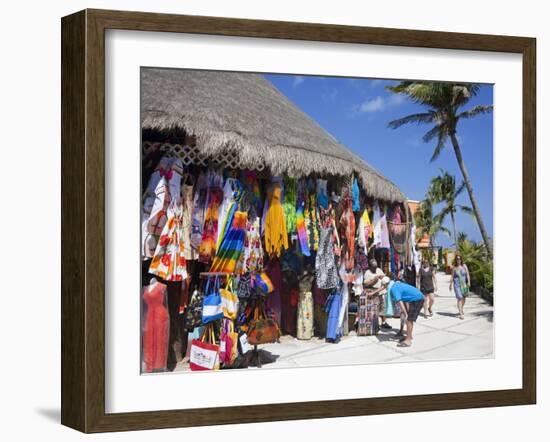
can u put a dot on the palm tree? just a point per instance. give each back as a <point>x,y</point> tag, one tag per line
<point>444,101</point>
<point>443,190</point>
<point>426,223</point>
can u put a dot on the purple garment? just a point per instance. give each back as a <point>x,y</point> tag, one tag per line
<point>273,303</point>
<point>384,234</point>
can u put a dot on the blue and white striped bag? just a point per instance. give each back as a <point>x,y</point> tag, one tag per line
<point>212,308</point>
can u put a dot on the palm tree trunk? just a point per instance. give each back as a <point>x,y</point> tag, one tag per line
<point>475,207</point>
<point>454,229</point>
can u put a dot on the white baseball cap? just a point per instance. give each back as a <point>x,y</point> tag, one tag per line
<point>385,280</point>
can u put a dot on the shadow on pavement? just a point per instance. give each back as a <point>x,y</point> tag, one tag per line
<point>487,314</point>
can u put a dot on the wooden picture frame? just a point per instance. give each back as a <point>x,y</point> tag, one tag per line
<point>83,219</point>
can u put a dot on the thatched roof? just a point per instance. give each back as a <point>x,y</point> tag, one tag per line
<point>245,113</point>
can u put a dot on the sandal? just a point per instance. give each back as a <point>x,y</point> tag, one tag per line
<point>402,344</point>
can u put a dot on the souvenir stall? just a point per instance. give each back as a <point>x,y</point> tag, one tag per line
<point>255,222</point>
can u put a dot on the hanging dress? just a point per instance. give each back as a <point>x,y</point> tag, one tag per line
<point>232,245</point>
<point>169,261</point>
<point>230,190</point>
<point>322,193</point>
<point>252,258</point>
<point>275,234</point>
<point>189,251</point>
<point>355,195</point>
<point>199,208</point>
<point>325,265</point>
<point>311,217</point>
<point>347,227</point>
<point>304,323</point>
<point>156,328</point>
<point>364,231</point>
<point>207,249</point>
<point>289,204</point>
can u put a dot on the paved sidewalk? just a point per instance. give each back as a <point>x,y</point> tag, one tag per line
<point>442,336</point>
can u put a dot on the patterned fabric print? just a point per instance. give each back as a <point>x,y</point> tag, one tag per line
<point>368,315</point>
<point>325,266</point>
<point>364,231</point>
<point>347,228</point>
<point>189,252</point>
<point>225,213</point>
<point>305,316</point>
<point>158,217</point>
<point>289,204</point>
<point>312,222</point>
<point>252,258</point>
<point>207,249</point>
<point>169,261</point>
<point>232,245</point>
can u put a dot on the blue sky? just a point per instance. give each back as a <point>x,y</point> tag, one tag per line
<point>357,111</point>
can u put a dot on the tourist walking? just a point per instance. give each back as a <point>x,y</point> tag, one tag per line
<point>427,283</point>
<point>460,282</point>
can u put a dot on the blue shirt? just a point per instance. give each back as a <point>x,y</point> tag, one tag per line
<point>401,291</point>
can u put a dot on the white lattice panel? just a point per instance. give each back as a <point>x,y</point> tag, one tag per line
<point>193,155</point>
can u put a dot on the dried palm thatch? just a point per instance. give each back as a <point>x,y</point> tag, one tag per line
<point>244,113</point>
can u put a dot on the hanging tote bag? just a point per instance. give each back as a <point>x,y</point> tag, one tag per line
<point>229,300</point>
<point>263,330</point>
<point>205,354</point>
<point>212,309</point>
<point>192,316</point>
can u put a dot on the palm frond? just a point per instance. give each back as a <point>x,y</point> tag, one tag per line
<point>432,133</point>
<point>426,117</point>
<point>476,110</point>
<point>441,138</point>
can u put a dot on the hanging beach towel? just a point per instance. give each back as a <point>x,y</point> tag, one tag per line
<point>212,309</point>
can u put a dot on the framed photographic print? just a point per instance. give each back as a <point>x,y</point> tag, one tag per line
<point>266,221</point>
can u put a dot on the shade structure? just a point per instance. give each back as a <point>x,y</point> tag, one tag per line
<point>245,114</point>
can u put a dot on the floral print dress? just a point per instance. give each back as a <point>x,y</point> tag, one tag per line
<point>169,261</point>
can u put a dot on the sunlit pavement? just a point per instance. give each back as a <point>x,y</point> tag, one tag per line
<point>442,336</point>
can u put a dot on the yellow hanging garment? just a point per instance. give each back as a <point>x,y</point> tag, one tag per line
<point>275,234</point>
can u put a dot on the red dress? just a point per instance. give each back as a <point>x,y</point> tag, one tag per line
<point>156,328</point>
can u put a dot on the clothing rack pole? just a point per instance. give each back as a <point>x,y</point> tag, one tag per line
<point>207,274</point>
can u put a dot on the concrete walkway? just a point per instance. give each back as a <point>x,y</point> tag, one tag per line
<point>442,336</point>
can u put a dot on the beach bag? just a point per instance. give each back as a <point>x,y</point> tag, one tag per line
<point>228,343</point>
<point>229,300</point>
<point>212,308</point>
<point>263,283</point>
<point>205,354</point>
<point>262,330</point>
<point>244,287</point>
<point>192,316</point>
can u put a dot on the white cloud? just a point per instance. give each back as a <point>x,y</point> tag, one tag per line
<point>298,80</point>
<point>372,104</point>
<point>379,103</point>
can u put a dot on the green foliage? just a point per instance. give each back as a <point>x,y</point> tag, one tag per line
<point>479,264</point>
<point>443,189</point>
<point>426,223</point>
